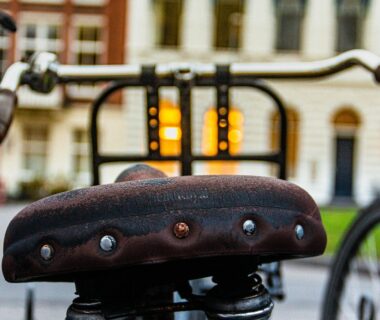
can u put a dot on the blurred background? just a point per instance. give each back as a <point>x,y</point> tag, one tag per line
<point>334,124</point>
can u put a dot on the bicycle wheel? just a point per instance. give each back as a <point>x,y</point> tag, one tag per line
<point>353,289</point>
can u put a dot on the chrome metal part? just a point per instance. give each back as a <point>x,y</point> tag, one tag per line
<point>300,232</point>
<point>99,72</point>
<point>249,227</point>
<point>367,309</point>
<point>47,252</point>
<point>107,243</point>
<point>263,314</point>
<point>82,309</point>
<point>43,68</point>
<point>184,73</point>
<point>312,69</point>
<point>238,297</point>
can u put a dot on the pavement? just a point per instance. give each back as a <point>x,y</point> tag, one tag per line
<point>304,284</point>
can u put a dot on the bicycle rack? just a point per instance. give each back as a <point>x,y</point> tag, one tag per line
<point>185,80</point>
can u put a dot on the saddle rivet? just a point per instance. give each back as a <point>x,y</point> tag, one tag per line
<point>47,252</point>
<point>300,232</point>
<point>181,230</point>
<point>249,227</point>
<point>107,243</point>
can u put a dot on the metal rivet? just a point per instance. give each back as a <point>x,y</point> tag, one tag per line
<point>300,232</point>
<point>153,145</point>
<point>223,145</point>
<point>107,243</point>
<point>249,227</point>
<point>47,252</point>
<point>181,230</point>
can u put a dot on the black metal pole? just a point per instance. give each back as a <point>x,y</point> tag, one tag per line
<point>184,83</point>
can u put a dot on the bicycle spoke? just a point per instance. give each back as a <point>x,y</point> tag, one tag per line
<point>351,293</point>
<point>373,265</point>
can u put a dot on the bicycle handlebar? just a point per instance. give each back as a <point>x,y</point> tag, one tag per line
<point>43,72</point>
<point>266,70</point>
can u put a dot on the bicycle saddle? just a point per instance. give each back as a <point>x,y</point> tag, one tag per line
<point>182,226</point>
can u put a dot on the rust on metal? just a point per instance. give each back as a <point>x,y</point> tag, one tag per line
<point>181,230</point>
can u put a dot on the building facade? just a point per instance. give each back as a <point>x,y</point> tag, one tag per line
<point>334,124</point>
<point>47,147</point>
<point>334,134</point>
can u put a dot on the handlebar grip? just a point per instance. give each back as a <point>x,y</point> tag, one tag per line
<point>8,101</point>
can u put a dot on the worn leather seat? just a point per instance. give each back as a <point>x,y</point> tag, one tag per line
<point>143,216</point>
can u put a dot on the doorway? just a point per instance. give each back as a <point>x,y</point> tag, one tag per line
<point>346,123</point>
<point>344,166</point>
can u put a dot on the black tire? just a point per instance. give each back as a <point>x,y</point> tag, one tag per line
<point>351,261</point>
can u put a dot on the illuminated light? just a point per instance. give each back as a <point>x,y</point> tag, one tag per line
<point>211,117</point>
<point>223,123</point>
<point>153,145</point>
<point>153,123</point>
<point>170,133</point>
<point>170,116</point>
<point>234,136</point>
<point>223,111</point>
<point>153,111</point>
<point>235,118</point>
<point>223,145</point>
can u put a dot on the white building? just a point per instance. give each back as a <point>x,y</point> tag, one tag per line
<point>335,123</point>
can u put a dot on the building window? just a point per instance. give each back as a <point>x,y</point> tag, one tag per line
<point>88,48</point>
<point>346,118</point>
<point>88,45</point>
<point>210,140</point>
<point>4,44</point>
<point>39,37</point>
<point>292,139</point>
<point>350,18</point>
<point>168,18</point>
<point>228,23</point>
<point>289,16</point>
<point>35,143</point>
<point>80,154</point>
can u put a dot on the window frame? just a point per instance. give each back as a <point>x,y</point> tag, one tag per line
<point>217,42</point>
<point>41,42</point>
<point>282,8</point>
<point>160,15</point>
<point>360,9</point>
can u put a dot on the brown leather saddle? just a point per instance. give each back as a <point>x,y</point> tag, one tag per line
<point>184,227</point>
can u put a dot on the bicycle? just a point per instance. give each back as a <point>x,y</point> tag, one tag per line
<point>355,268</point>
<point>181,228</point>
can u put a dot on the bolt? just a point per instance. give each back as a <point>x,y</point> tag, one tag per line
<point>300,232</point>
<point>47,252</point>
<point>181,230</point>
<point>249,227</point>
<point>107,243</point>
